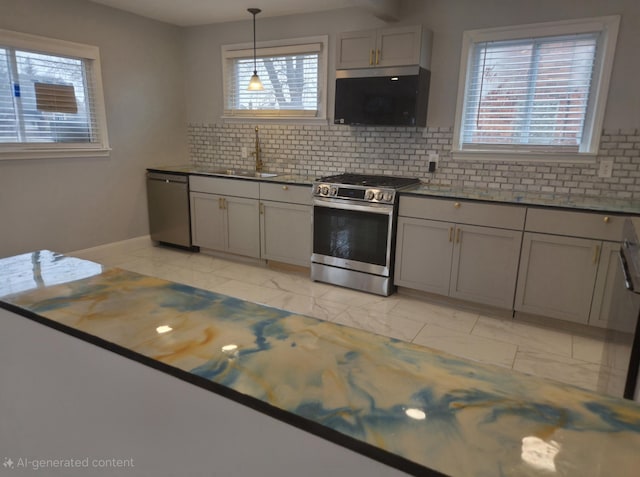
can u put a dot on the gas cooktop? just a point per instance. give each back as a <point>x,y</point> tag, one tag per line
<point>370,180</point>
<point>363,187</point>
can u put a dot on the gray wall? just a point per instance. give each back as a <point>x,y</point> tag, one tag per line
<point>448,19</point>
<point>67,204</point>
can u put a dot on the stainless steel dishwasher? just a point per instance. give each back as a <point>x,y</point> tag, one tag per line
<point>168,201</point>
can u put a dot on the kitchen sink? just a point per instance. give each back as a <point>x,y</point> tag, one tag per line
<point>244,173</point>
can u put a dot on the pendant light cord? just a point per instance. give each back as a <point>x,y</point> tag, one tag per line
<point>254,12</point>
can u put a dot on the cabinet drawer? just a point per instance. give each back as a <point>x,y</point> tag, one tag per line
<point>464,212</point>
<point>232,187</point>
<point>293,194</point>
<point>576,224</point>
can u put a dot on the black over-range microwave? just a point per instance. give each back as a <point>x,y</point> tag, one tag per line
<point>382,96</point>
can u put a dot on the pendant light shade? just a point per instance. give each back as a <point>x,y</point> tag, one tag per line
<point>254,84</point>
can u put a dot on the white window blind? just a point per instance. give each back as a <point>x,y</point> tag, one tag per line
<point>532,92</point>
<point>291,76</point>
<point>48,101</point>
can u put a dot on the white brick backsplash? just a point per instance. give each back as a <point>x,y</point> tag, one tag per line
<point>328,149</point>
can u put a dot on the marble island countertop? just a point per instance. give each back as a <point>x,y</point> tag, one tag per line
<point>415,408</point>
<point>568,201</point>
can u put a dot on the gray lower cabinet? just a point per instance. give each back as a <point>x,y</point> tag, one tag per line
<point>485,265</point>
<point>568,265</point>
<point>225,215</point>
<point>225,223</point>
<point>285,232</point>
<point>469,262</point>
<point>285,223</point>
<point>557,276</point>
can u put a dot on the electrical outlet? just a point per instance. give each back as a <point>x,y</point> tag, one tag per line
<point>244,152</point>
<point>433,161</point>
<point>606,168</point>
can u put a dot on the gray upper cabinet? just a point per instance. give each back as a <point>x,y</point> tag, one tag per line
<point>443,248</point>
<point>401,46</point>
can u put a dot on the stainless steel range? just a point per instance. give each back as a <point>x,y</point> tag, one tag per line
<point>354,226</point>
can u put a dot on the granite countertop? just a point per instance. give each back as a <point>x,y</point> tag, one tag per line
<point>587,203</point>
<point>211,171</point>
<point>604,204</point>
<point>396,402</point>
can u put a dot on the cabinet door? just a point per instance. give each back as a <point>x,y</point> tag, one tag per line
<point>286,232</point>
<point>242,231</point>
<point>485,265</point>
<point>356,49</point>
<point>398,46</point>
<point>207,221</point>
<point>557,276</point>
<point>423,254</point>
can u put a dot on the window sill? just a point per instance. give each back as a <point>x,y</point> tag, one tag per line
<point>515,156</point>
<point>41,153</point>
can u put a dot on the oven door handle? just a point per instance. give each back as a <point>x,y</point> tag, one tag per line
<point>625,271</point>
<point>384,209</point>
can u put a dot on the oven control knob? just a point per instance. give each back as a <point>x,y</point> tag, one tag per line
<point>368,195</point>
<point>379,195</point>
<point>334,191</point>
<point>388,196</point>
<point>324,189</point>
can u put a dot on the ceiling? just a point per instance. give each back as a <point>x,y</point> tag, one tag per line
<point>202,12</point>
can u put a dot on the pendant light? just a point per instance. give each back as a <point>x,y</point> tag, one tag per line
<point>254,84</point>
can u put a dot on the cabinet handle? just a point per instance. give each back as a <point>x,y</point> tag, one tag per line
<point>284,187</point>
<point>458,235</point>
<point>378,56</point>
<point>456,205</point>
<point>450,234</point>
<point>606,219</point>
<point>596,253</point>
<point>224,203</point>
<point>261,208</point>
<point>370,57</point>
<point>219,202</point>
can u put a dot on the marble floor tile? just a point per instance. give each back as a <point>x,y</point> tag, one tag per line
<point>558,367</point>
<point>435,314</point>
<point>587,349</point>
<point>467,346</point>
<point>526,335</point>
<point>397,327</point>
<point>308,305</point>
<point>247,291</point>
<point>296,283</point>
<point>351,297</point>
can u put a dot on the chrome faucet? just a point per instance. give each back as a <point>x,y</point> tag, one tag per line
<point>258,153</point>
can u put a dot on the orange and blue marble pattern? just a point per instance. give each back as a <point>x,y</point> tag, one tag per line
<point>452,415</point>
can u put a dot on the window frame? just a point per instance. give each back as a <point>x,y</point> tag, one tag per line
<point>273,48</point>
<point>56,47</point>
<point>594,118</point>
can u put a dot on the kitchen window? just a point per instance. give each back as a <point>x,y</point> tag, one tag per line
<point>534,91</point>
<point>51,102</point>
<point>293,73</point>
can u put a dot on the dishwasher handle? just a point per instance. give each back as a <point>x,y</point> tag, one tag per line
<point>163,177</point>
